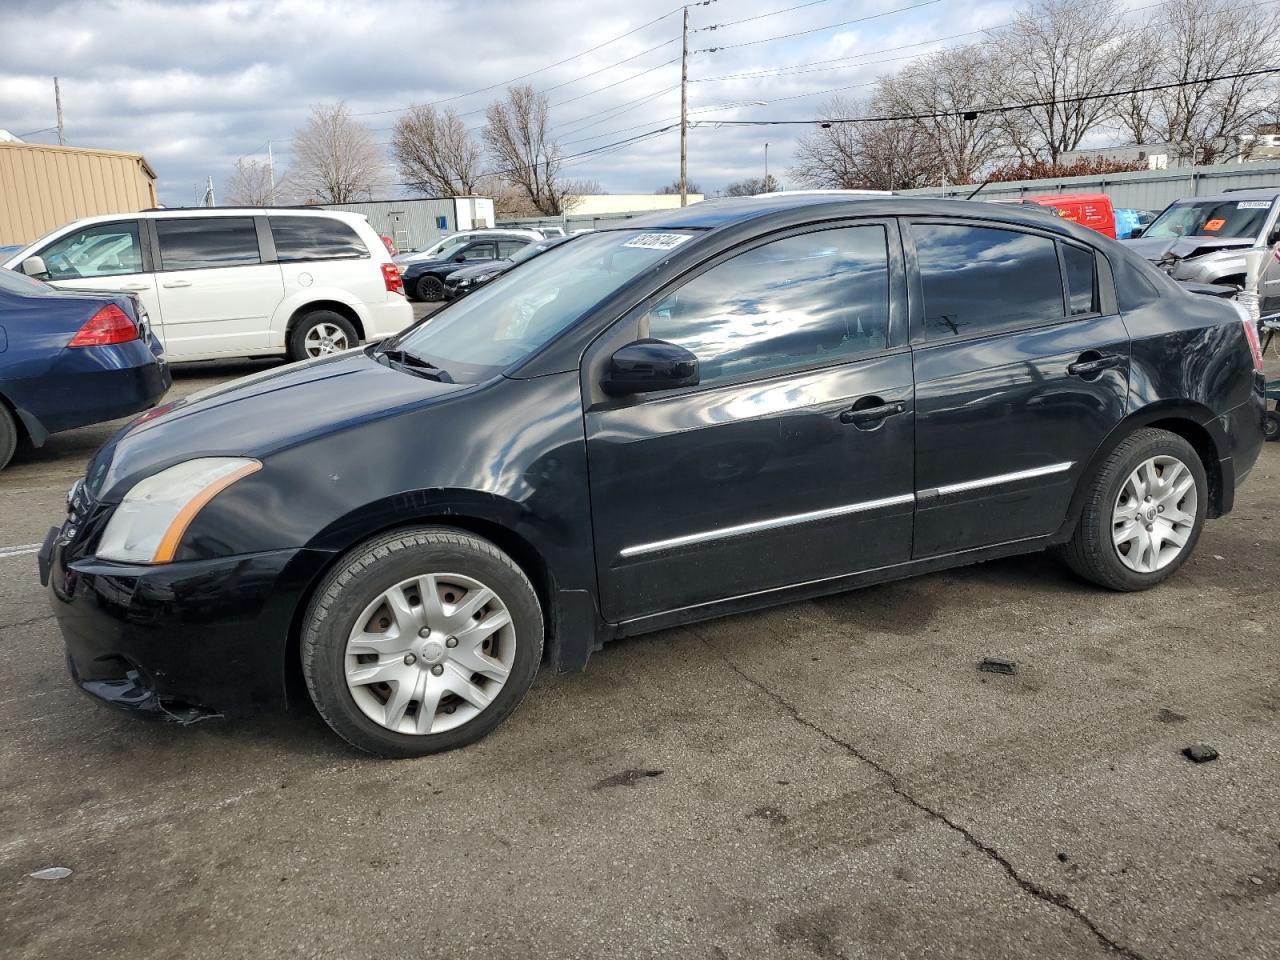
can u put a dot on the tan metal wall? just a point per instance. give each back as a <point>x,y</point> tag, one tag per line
<point>42,187</point>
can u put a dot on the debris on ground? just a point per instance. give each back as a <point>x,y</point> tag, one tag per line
<point>51,873</point>
<point>1170,716</point>
<point>627,778</point>
<point>998,665</point>
<point>1200,753</point>
<point>1062,857</point>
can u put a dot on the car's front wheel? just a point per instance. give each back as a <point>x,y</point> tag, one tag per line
<point>1143,512</point>
<point>430,289</point>
<point>420,641</point>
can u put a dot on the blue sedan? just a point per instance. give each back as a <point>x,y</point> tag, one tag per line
<point>69,359</point>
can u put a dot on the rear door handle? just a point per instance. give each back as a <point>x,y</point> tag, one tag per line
<point>1091,363</point>
<point>872,414</point>
<point>178,283</point>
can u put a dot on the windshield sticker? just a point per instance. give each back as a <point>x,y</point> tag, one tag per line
<point>1216,224</point>
<point>1253,204</point>
<point>658,241</point>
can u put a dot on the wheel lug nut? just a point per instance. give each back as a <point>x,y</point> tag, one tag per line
<point>437,669</point>
<point>424,632</point>
<point>451,642</point>
<point>1159,509</point>
<point>410,659</point>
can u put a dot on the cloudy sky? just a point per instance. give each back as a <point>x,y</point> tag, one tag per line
<point>193,84</point>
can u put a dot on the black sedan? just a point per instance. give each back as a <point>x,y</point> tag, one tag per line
<point>710,410</point>
<point>425,279</point>
<point>469,279</point>
<point>71,358</point>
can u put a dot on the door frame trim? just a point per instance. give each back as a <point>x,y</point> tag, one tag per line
<point>756,526</point>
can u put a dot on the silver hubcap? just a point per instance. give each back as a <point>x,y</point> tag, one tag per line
<point>325,338</point>
<point>1154,514</point>
<point>430,653</point>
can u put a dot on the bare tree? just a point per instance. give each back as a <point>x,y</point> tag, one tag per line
<point>674,188</point>
<point>335,159</point>
<point>250,184</point>
<point>752,186</point>
<point>1194,40</point>
<point>1069,57</point>
<point>876,155</point>
<point>522,149</point>
<point>434,152</point>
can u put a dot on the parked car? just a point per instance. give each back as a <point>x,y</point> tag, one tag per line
<point>1204,239</point>
<point>469,279</point>
<point>1131,222</point>
<point>235,282</point>
<point>706,411</point>
<point>71,359</point>
<point>424,279</point>
<point>440,249</point>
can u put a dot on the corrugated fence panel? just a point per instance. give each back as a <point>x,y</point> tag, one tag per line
<point>412,224</point>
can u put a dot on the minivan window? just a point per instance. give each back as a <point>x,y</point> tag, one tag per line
<point>314,238</point>
<point>196,243</point>
<point>1082,280</point>
<point>102,250</point>
<point>794,302</point>
<point>978,280</point>
<point>479,336</point>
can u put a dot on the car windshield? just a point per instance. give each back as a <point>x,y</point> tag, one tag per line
<point>1224,219</point>
<point>481,335</point>
<point>530,250</point>
<point>13,282</point>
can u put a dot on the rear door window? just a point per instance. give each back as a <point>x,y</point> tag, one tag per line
<point>101,250</point>
<point>314,238</point>
<point>198,243</point>
<point>979,280</point>
<point>507,247</point>
<point>479,251</point>
<point>805,300</point>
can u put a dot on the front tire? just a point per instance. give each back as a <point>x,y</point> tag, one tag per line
<point>321,333</point>
<point>430,289</point>
<point>421,641</point>
<point>1271,425</point>
<point>8,436</point>
<point>1143,512</point>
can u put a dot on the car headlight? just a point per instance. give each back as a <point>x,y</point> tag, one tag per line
<point>149,523</point>
<point>464,282</point>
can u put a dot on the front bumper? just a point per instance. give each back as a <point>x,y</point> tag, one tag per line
<point>181,639</point>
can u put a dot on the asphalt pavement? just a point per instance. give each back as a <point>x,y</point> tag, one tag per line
<point>830,779</point>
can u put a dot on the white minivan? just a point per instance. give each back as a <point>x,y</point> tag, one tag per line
<point>235,282</point>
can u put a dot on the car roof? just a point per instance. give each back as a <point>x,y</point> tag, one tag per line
<point>1249,193</point>
<point>163,213</point>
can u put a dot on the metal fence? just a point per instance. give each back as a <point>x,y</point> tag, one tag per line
<point>1142,190</point>
<point>571,223</point>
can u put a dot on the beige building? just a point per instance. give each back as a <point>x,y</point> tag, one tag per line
<point>44,186</point>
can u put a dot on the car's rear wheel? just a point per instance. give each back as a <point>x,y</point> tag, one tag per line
<point>320,333</point>
<point>8,436</point>
<point>1271,425</point>
<point>421,641</point>
<point>430,289</point>
<point>1143,512</point>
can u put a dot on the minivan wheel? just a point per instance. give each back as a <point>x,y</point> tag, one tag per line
<point>320,333</point>
<point>1143,512</point>
<point>430,289</point>
<point>8,436</point>
<point>420,641</point>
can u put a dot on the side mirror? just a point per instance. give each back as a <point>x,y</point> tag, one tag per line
<point>34,267</point>
<point>1271,240</point>
<point>648,365</point>
<point>459,259</point>
<point>1135,233</point>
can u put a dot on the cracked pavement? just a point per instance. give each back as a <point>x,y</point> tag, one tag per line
<point>830,779</point>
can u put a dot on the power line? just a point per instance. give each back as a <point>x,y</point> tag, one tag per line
<point>973,112</point>
<point>760,16</point>
<point>829,26</point>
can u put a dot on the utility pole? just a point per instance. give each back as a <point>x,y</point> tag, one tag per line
<point>271,169</point>
<point>766,167</point>
<point>57,102</point>
<point>684,114</point>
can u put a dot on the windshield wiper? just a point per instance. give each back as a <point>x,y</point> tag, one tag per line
<point>405,359</point>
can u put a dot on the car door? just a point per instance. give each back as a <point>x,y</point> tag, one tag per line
<point>1021,368</point>
<point>217,296</point>
<point>110,256</point>
<point>791,460</point>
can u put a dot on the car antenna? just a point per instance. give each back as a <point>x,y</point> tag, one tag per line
<point>979,190</point>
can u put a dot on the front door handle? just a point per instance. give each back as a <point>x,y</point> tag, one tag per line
<point>134,287</point>
<point>177,283</point>
<point>1091,363</point>
<point>873,413</point>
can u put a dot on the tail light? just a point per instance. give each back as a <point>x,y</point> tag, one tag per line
<point>1255,345</point>
<point>391,276</point>
<point>109,325</point>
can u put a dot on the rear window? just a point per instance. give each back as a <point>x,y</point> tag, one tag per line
<point>198,243</point>
<point>13,282</point>
<point>315,238</point>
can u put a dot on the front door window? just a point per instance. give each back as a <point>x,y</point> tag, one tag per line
<point>102,250</point>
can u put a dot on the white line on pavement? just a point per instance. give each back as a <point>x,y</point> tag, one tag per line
<point>19,551</point>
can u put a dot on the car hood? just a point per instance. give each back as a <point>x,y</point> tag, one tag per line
<point>480,270</point>
<point>1156,249</point>
<point>259,415</point>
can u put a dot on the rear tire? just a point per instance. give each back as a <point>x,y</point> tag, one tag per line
<point>420,641</point>
<point>429,289</point>
<point>8,436</point>
<point>1271,425</point>
<point>321,333</point>
<point>1143,512</point>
